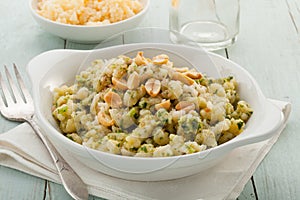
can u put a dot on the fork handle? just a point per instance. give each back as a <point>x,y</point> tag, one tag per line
<point>70,180</point>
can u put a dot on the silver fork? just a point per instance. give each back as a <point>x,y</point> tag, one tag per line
<point>17,105</point>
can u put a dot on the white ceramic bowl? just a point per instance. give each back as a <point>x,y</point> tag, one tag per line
<point>54,68</point>
<point>88,34</point>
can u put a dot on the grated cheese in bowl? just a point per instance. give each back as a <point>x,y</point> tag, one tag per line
<point>88,12</point>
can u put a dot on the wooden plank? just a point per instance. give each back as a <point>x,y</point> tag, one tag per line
<point>57,191</point>
<point>21,39</point>
<point>268,47</point>
<point>17,185</point>
<point>248,192</point>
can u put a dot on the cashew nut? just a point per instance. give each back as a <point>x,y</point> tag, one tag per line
<point>104,119</point>
<point>119,84</point>
<point>193,74</point>
<point>140,59</point>
<point>165,104</point>
<point>182,78</point>
<point>181,69</point>
<point>152,87</point>
<point>185,105</point>
<point>133,81</point>
<point>160,59</point>
<point>113,99</point>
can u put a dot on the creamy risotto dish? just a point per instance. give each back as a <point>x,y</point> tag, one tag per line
<point>88,12</point>
<point>148,107</point>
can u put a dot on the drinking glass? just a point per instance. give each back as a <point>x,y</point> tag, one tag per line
<point>213,24</point>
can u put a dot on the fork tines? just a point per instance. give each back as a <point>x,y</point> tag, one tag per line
<point>12,93</point>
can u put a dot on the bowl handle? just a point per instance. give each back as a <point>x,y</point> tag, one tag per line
<point>277,113</point>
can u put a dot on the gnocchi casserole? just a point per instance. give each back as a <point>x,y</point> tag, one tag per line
<point>149,108</point>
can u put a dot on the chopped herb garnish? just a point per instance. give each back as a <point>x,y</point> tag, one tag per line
<point>144,149</point>
<point>240,124</point>
<point>62,110</point>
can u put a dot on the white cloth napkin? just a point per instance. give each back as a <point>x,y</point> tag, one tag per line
<point>21,149</point>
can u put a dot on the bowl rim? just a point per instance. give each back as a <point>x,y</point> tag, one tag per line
<point>141,13</point>
<point>230,145</point>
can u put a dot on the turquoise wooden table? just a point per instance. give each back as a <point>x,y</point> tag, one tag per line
<point>268,47</point>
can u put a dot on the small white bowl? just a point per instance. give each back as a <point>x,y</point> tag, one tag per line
<point>57,67</point>
<point>88,34</point>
